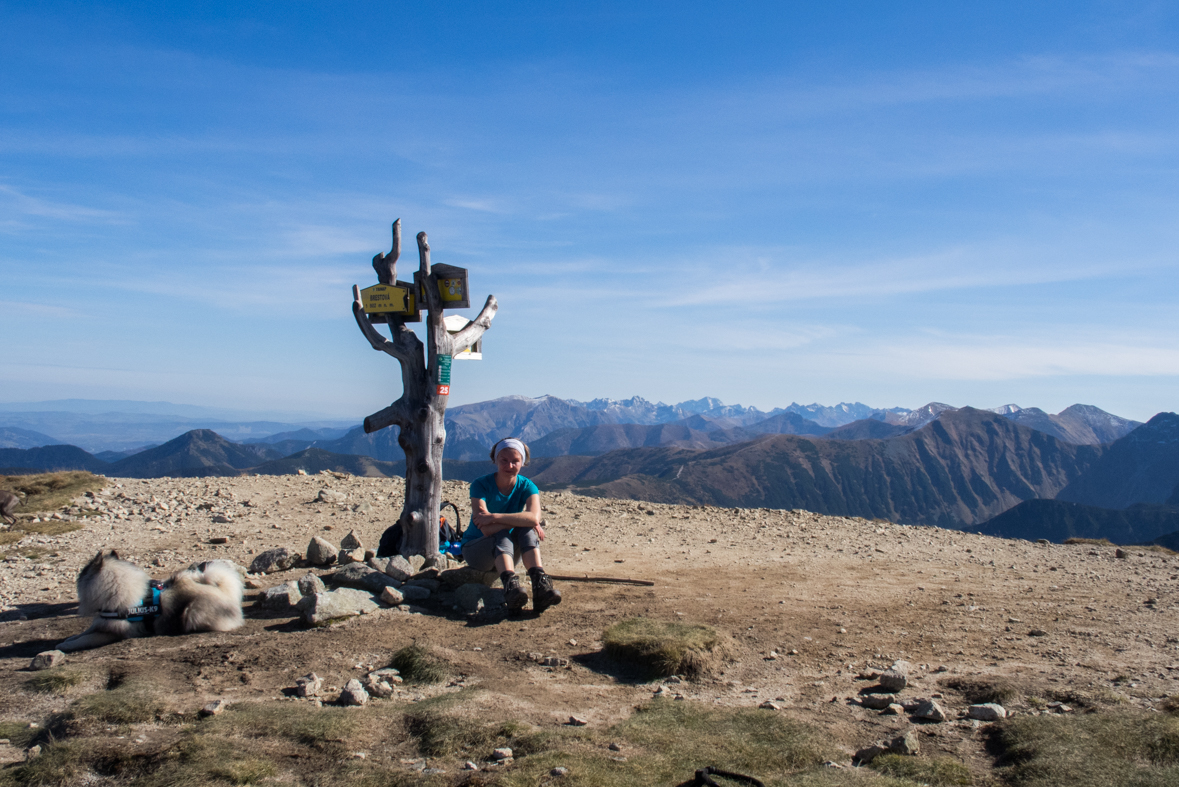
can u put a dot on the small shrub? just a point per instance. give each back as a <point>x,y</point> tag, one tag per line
<point>692,650</point>
<point>55,681</point>
<point>418,664</point>
<point>1101,542</point>
<point>441,734</point>
<point>936,772</point>
<point>985,689</point>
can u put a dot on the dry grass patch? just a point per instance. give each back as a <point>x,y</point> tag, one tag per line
<point>19,733</point>
<point>51,491</point>
<point>420,664</point>
<point>1109,749</point>
<point>665,741</point>
<point>983,688</point>
<point>663,648</point>
<point>1100,542</point>
<point>132,701</point>
<point>935,772</point>
<point>300,723</point>
<point>55,681</point>
<point>441,734</point>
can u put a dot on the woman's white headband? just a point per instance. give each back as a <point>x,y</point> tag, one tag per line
<point>511,442</point>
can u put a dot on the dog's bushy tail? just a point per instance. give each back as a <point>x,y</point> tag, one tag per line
<point>209,600</point>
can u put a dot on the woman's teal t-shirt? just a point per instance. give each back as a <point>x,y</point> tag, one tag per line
<point>484,488</point>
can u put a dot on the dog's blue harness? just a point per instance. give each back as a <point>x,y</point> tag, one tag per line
<point>148,608</point>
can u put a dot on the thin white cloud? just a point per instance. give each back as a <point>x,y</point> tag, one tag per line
<point>16,202</point>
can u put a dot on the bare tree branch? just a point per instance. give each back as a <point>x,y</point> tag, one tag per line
<point>392,415</point>
<point>395,348</point>
<point>471,332</point>
<point>386,265</point>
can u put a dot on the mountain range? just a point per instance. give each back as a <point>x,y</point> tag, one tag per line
<point>1010,469</point>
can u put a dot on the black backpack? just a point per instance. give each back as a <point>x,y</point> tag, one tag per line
<point>448,537</point>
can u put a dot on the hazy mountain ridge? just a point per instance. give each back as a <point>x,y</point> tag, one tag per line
<point>963,468</point>
<point>199,452</point>
<point>50,458</point>
<point>1142,467</point>
<point>13,437</point>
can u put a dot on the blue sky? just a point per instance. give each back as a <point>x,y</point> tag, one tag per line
<point>893,203</point>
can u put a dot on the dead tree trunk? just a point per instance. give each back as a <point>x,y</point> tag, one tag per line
<point>420,411</point>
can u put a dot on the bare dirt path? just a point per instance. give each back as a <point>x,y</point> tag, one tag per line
<point>812,603</point>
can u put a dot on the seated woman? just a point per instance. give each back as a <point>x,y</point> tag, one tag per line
<point>505,527</point>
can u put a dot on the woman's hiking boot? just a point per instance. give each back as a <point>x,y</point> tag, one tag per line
<point>514,594</point>
<point>544,595</point>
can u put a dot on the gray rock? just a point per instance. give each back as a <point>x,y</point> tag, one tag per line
<point>399,568</point>
<point>331,496</point>
<point>351,542</point>
<point>309,685</point>
<point>987,711</point>
<point>280,597</point>
<point>272,560</point>
<point>869,753</point>
<point>417,561</point>
<point>907,744</point>
<point>387,674</point>
<point>503,753</point>
<point>455,578</point>
<point>473,596</point>
<point>559,771</point>
<point>320,552</point>
<point>347,556</point>
<point>363,577</point>
<point>353,693</point>
<point>414,593</point>
<point>215,707</point>
<point>310,584</point>
<point>391,596</point>
<point>770,705</point>
<point>378,563</point>
<point>929,710</point>
<point>893,710</point>
<point>363,507</point>
<point>378,688</point>
<point>431,585</point>
<point>47,659</point>
<point>336,604</point>
<point>876,701</point>
<point>896,677</point>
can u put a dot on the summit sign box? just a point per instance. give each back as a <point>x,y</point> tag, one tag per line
<point>382,301</point>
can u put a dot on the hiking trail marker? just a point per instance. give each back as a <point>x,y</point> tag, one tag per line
<point>425,372</point>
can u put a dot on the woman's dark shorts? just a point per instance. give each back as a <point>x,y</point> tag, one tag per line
<point>480,554</point>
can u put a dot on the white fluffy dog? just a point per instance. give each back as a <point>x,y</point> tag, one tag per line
<point>125,602</point>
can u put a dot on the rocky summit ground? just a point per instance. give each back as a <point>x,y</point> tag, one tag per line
<point>814,606</point>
